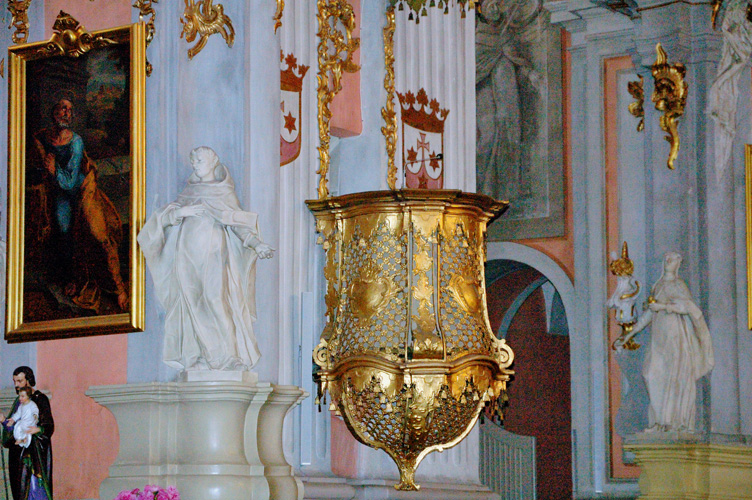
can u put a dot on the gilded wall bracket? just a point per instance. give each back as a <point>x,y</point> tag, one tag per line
<point>145,9</point>
<point>203,20</point>
<point>335,55</point>
<point>670,97</point>
<point>20,19</point>
<point>637,107</point>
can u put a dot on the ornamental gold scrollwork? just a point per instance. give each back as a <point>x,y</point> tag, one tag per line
<point>20,19</point>
<point>145,9</point>
<point>205,19</point>
<point>335,55</point>
<point>278,14</point>
<point>636,108</point>
<point>388,113</point>
<point>670,97</point>
<point>330,240</point>
<point>70,38</point>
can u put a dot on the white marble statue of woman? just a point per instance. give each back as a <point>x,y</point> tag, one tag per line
<point>681,351</point>
<point>201,251</point>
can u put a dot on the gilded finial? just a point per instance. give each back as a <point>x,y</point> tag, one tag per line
<point>623,266</point>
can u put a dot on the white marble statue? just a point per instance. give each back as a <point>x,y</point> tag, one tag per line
<point>681,351</point>
<point>201,251</point>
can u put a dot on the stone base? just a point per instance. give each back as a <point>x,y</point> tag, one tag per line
<point>378,489</point>
<point>691,469</point>
<point>212,439</point>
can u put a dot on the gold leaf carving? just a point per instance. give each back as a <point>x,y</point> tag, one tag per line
<point>636,108</point>
<point>369,293</point>
<point>145,9</point>
<point>465,291</point>
<point>278,14</point>
<point>388,113</point>
<point>71,39</point>
<point>670,97</point>
<point>335,55</point>
<point>20,19</point>
<point>205,19</point>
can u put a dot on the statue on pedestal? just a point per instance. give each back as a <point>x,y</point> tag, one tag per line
<point>681,350</point>
<point>201,251</point>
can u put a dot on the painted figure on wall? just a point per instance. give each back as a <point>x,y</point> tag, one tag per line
<point>518,96</point>
<point>205,239</point>
<point>505,73</point>
<point>78,223</point>
<point>680,353</point>
<point>30,467</point>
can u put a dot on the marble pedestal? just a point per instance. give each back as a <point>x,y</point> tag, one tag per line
<point>212,437</point>
<point>692,468</point>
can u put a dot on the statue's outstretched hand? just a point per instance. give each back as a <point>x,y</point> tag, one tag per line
<point>264,251</point>
<point>190,211</point>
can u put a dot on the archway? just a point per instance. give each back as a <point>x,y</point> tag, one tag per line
<point>530,299</point>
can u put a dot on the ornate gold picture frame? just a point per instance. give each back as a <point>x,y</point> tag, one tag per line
<point>76,183</point>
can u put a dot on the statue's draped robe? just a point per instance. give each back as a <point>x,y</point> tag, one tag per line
<point>39,453</point>
<point>681,352</point>
<point>204,276</point>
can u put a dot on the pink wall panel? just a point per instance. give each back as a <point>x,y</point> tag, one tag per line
<point>86,438</point>
<point>346,115</point>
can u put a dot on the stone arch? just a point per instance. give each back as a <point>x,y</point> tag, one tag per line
<point>543,263</point>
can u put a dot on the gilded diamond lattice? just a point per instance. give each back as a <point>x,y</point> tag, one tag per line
<point>374,313</point>
<point>469,329</point>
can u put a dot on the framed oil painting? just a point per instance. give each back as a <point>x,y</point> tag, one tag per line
<point>76,173</point>
<point>520,143</point>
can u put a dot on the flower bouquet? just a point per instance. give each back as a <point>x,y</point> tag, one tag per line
<point>150,492</point>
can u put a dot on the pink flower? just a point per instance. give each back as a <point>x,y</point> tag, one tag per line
<point>128,495</point>
<point>161,495</point>
<point>172,493</point>
<point>150,488</point>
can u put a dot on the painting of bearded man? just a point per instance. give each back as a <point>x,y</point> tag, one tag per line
<point>79,223</point>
